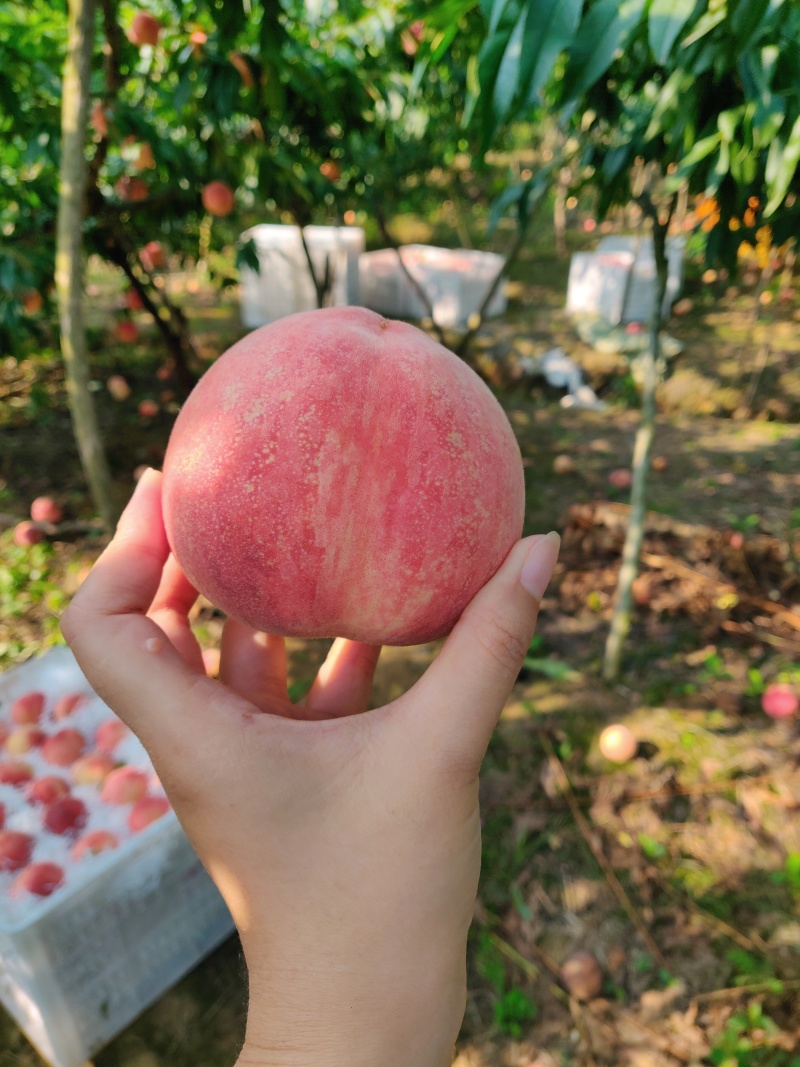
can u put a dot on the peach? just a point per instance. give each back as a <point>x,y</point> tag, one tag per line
<point>133,189</point>
<point>28,533</point>
<point>92,769</point>
<point>27,709</point>
<point>67,815</point>
<point>4,732</point>
<point>126,331</point>
<point>124,785</point>
<point>153,256</point>
<point>339,474</point>
<point>148,409</point>
<point>32,302</point>
<point>98,119</point>
<point>133,302</point>
<point>618,744</point>
<point>40,879</point>
<point>145,811</point>
<point>779,701</point>
<point>15,772</point>
<point>118,387</point>
<point>2,816</point>
<point>64,747</point>
<point>144,29</point>
<point>218,198</point>
<point>15,850</point>
<point>45,509</point>
<point>67,704</point>
<point>23,739</point>
<point>94,842</point>
<point>331,170</point>
<point>146,160</point>
<point>109,734</point>
<point>47,790</point>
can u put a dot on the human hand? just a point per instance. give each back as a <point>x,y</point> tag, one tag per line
<point>346,845</point>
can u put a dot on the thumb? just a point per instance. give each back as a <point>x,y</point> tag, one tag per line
<point>458,700</point>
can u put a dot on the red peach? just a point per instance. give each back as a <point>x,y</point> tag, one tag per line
<point>589,225</point>
<point>779,701</point>
<point>15,850</point>
<point>45,509</point>
<point>23,739</point>
<point>164,372</point>
<point>621,478</point>
<point>118,387</point>
<point>109,734</point>
<point>15,772</point>
<point>144,29</point>
<point>145,811</point>
<point>126,331</point>
<point>94,842</point>
<point>32,302</point>
<point>148,409</point>
<point>27,709</point>
<point>618,744</point>
<point>47,790</point>
<point>218,198</point>
<point>98,120</point>
<point>383,485</point>
<point>40,879</point>
<point>64,747</point>
<point>67,816</point>
<point>153,256</point>
<point>133,189</point>
<point>124,785</point>
<point>28,533</point>
<point>67,704</point>
<point>92,769</point>
<point>331,170</point>
<point>133,302</point>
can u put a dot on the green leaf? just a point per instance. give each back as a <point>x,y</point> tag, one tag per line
<point>666,20</point>
<point>550,28</point>
<point>551,668</point>
<point>601,34</point>
<point>705,24</point>
<point>505,86</point>
<point>781,166</point>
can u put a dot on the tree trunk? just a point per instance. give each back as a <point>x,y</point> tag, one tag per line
<point>621,619</point>
<point>69,255</point>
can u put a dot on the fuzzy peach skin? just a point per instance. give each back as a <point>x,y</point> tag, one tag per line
<point>338,474</point>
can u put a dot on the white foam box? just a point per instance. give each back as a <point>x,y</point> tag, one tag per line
<point>78,966</point>
<point>455,280</point>
<point>598,284</point>
<point>641,291</point>
<point>283,284</point>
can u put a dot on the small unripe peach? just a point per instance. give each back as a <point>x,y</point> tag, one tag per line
<point>45,509</point>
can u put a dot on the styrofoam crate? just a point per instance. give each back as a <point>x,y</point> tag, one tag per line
<point>78,966</point>
<point>455,280</point>
<point>598,284</point>
<point>641,292</point>
<point>284,284</point>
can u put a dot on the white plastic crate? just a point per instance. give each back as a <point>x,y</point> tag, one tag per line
<point>455,280</point>
<point>284,284</point>
<point>78,966</point>
<point>600,284</point>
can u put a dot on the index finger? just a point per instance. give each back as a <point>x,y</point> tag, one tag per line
<point>125,656</point>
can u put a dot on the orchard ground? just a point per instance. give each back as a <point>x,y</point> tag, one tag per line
<point>680,870</point>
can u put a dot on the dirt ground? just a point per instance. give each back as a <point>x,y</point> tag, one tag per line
<point>679,871</point>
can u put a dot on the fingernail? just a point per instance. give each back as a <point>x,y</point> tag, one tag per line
<point>537,570</point>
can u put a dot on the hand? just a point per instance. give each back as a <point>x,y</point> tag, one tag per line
<point>346,845</point>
